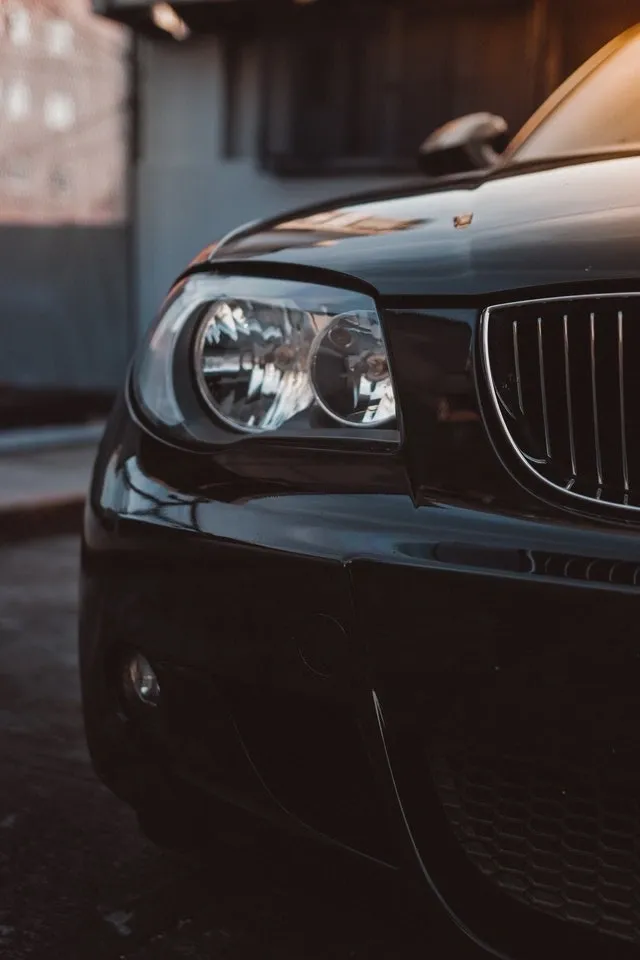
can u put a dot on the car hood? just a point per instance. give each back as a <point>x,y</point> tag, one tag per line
<point>511,230</point>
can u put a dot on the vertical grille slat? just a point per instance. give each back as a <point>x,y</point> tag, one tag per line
<point>582,400</point>
<point>631,350</point>
<point>567,376</point>
<point>543,391</point>
<point>556,398</point>
<point>623,419</point>
<point>563,380</point>
<point>516,360</point>
<point>594,400</point>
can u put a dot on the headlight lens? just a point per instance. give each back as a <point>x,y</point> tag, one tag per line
<point>260,355</point>
<point>251,362</point>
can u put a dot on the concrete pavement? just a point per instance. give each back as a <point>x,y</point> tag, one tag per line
<point>42,488</point>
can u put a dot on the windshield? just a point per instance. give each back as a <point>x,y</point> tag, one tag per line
<point>596,110</point>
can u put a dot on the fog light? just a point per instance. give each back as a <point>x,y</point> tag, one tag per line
<point>141,681</point>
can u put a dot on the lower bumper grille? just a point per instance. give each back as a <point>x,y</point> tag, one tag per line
<point>561,842</point>
<point>538,772</point>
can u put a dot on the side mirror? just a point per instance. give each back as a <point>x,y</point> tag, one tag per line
<point>472,142</point>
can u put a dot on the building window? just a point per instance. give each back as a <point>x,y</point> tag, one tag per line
<point>59,181</point>
<point>17,99</point>
<point>19,26</point>
<point>59,111</point>
<point>58,36</point>
<point>16,173</point>
<point>333,95</point>
<point>361,92</point>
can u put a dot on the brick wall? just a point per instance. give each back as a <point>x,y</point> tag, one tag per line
<point>62,114</point>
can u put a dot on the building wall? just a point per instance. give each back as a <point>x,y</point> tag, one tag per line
<point>62,115</point>
<point>63,193</point>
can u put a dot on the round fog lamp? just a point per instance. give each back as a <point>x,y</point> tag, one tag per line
<point>350,371</point>
<point>141,681</point>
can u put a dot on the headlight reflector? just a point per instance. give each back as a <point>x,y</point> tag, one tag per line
<point>350,371</point>
<point>264,355</point>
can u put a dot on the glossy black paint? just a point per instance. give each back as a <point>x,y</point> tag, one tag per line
<point>542,227</point>
<point>317,615</point>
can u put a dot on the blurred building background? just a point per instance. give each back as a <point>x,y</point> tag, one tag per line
<point>64,242</point>
<point>125,151</point>
<point>271,103</point>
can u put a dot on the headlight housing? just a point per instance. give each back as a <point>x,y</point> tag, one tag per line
<point>231,356</point>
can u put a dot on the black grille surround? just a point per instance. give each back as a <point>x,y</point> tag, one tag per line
<point>564,385</point>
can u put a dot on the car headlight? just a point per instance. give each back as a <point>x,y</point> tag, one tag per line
<point>254,355</point>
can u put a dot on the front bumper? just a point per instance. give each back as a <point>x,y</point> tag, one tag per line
<point>438,687</point>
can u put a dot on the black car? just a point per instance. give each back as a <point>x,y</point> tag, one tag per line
<point>362,548</point>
